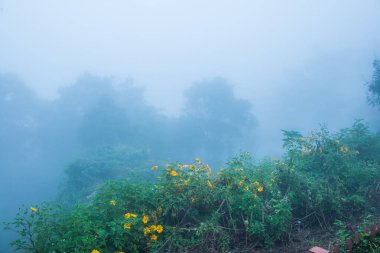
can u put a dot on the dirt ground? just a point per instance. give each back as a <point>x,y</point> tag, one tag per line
<point>300,242</point>
<point>303,241</point>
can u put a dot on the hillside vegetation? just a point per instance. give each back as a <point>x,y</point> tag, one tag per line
<point>179,207</point>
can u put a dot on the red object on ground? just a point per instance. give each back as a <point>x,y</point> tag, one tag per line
<point>318,250</point>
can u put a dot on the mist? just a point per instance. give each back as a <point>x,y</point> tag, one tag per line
<point>152,82</point>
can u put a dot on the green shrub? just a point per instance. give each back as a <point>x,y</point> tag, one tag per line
<point>189,207</point>
<point>193,207</point>
<point>327,175</point>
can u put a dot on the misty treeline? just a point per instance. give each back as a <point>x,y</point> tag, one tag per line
<point>99,130</point>
<point>101,127</point>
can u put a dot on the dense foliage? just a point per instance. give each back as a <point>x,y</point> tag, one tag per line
<point>188,207</point>
<point>332,175</point>
<point>323,177</point>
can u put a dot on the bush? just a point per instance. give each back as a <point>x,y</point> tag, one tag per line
<point>330,176</point>
<point>189,207</point>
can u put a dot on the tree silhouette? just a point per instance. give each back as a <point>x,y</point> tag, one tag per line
<point>214,123</point>
<point>374,85</point>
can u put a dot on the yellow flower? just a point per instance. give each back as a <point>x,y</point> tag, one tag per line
<point>343,149</point>
<point>260,189</point>
<point>127,226</point>
<point>113,202</point>
<point>95,251</point>
<point>146,230</point>
<point>173,173</point>
<point>246,188</point>
<point>119,252</point>
<point>129,215</point>
<point>34,209</point>
<point>209,184</point>
<point>153,227</point>
<point>179,166</point>
<point>155,167</point>
<point>192,166</point>
<point>153,237</point>
<point>256,183</point>
<point>145,219</point>
<point>208,174</point>
<point>159,229</point>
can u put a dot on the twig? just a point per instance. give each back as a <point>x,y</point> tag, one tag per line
<point>232,221</point>
<point>221,204</point>
<point>246,230</point>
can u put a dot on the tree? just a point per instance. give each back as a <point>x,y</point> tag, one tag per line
<point>106,124</point>
<point>215,124</point>
<point>374,85</point>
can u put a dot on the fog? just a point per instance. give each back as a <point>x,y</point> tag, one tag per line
<point>172,80</point>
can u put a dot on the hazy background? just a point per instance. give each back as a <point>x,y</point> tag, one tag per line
<point>291,64</point>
